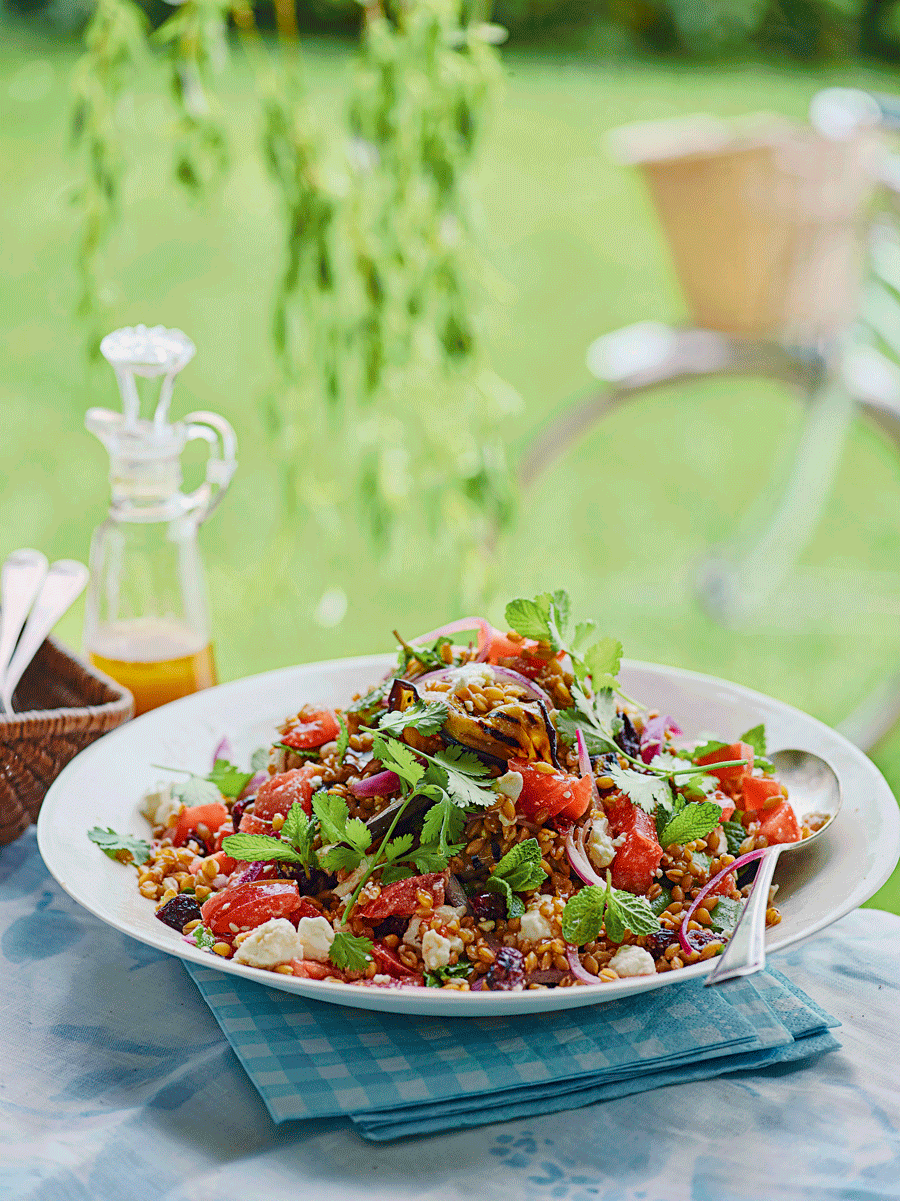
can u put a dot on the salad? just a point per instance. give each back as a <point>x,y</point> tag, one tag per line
<point>493,814</point>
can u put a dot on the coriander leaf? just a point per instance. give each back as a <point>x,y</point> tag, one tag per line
<point>645,791</point>
<point>694,821</point>
<point>463,761</point>
<point>443,824</point>
<point>515,906</point>
<point>427,859</point>
<point>332,813</point>
<point>425,716</point>
<point>229,780</point>
<point>521,867</point>
<point>734,835</point>
<point>583,631</point>
<point>340,856</point>
<point>259,848</point>
<point>456,971</point>
<point>343,739</point>
<point>398,847</point>
<point>111,844</point>
<point>756,737</point>
<point>259,760</point>
<point>583,915</point>
<point>529,618</point>
<point>725,915</point>
<point>358,834</point>
<point>625,911</point>
<point>458,772</point>
<point>569,722</point>
<point>559,610</point>
<point>197,791</point>
<point>397,871</point>
<point>602,661</point>
<point>430,657</point>
<point>351,953</point>
<point>399,758</point>
<point>595,716</point>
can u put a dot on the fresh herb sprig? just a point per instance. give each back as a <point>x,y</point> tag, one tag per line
<point>426,717</point>
<point>124,848</point>
<point>295,845</point>
<point>429,656</point>
<point>518,871</point>
<point>456,971</point>
<point>351,953</point>
<point>595,907</point>
<point>224,780</point>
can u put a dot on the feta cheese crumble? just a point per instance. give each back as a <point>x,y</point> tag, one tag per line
<point>317,935</point>
<point>533,925</point>
<point>601,848</point>
<point>275,941</point>
<point>159,805</point>
<point>435,950</point>
<point>510,785</point>
<point>633,961</point>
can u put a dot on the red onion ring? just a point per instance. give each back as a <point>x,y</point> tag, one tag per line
<point>580,862</point>
<point>484,628</point>
<point>503,673</point>
<point>223,751</point>
<point>381,784</point>
<point>654,736</point>
<point>578,970</point>
<point>707,889</point>
<point>253,785</point>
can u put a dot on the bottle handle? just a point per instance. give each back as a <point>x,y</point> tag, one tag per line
<point>220,467</point>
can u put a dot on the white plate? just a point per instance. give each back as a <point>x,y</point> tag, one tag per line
<point>103,786</point>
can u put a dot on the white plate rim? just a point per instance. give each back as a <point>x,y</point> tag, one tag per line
<point>448,1003</point>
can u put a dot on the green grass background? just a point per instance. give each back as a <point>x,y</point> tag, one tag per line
<point>574,252</point>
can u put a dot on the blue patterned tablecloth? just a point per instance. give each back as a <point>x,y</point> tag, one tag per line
<point>116,1084</point>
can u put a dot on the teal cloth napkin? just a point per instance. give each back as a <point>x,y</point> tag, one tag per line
<point>395,1075</point>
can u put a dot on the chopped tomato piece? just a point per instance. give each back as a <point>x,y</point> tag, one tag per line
<point>639,853</point>
<point>737,750</point>
<point>780,824</point>
<point>724,888</point>
<point>556,792</point>
<point>249,905</point>
<point>279,792</point>
<point>212,816</point>
<point>501,646</point>
<point>311,969</point>
<point>758,790</point>
<point>251,824</point>
<point>390,964</point>
<point>222,833</point>
<point>400,898</point>
<point>315,728</point>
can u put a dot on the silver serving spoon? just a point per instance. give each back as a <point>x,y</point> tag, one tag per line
<point>63,583</point>
<point>813,788</point>
<point>20,581</point>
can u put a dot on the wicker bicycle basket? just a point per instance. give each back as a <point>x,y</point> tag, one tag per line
<point>65,705</point>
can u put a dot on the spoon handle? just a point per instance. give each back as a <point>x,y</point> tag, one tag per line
<point>64,581</point>
<point>20,581</point>
<point>745,951</point>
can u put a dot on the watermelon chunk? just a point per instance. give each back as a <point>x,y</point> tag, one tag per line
<point>638,855</point>
<point>780,824</point>
<point>737,750</point>
<point>758,790</point>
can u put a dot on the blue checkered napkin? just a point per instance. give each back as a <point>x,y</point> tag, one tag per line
<point>395,1075</point>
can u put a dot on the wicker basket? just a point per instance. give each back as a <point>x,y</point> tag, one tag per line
<point>69,705</point>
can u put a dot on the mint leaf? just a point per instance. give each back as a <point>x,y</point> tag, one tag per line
<point>735,835</point>
<point>332,813</point>
<point>625,911</point>
<point>443,825</point>
<point>259,760</point>
<point>425,716</point>
<point>229,780</point>
<point>343,740</point>
<point>694,821</point>
<point>521,867</point>
<point>300,832</point>
<point>456,971</point>
<point>259,848</point>
<point>725,915</point>
<point>515,906</point>
<point>134,850</point>
<point>530,618</point>
<point>583,915</point>
<point>351,953</point>
<point>645,791</point>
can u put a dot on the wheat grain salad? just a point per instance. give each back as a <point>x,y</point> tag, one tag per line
<point>494,814</point>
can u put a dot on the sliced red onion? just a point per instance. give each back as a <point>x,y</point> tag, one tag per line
<point>253,785</point>
<point>478,986</point>
<point>578,970</point>
<point>255,871</point>
<point>223,751</point>
<point>578,858</point>
<point>516,677</point>
<point>381,784</point>
<point>707,889</point>
<point>654,735</point>
<point>484,628</point>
